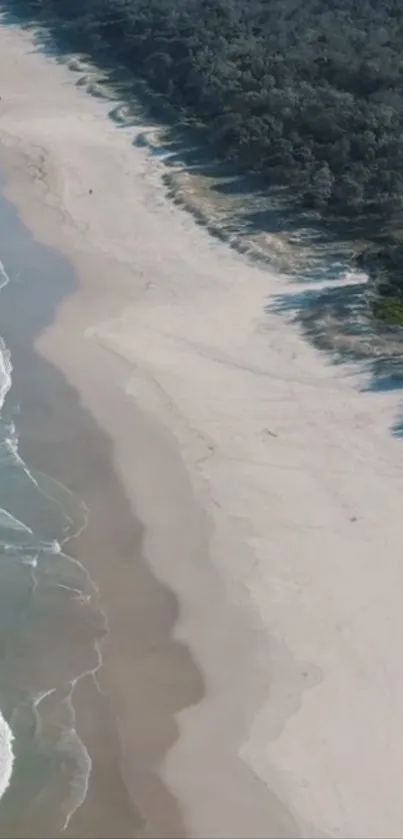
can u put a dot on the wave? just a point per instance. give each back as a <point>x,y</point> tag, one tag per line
<point>10,443</point>
<point>50,510</point>
<point>8,521</point>
<point>54,548</point>
<point>5,279</point>
<point>6,755</point>
<point>74,746</point>
<point>5,369</point>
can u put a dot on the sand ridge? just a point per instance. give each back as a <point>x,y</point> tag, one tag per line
<point>271,501</point>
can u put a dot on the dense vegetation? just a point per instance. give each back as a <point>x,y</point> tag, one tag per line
<point>309,93</point>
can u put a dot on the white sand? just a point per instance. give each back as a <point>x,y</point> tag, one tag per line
<point>291,576</point>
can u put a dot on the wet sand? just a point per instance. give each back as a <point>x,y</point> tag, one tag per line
<point>60,438</point>
<point>148,676</point>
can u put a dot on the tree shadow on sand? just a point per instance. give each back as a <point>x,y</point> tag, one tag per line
<point>337,319</point>
<point>241,209</point>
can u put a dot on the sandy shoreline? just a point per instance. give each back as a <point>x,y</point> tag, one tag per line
<point>163,679</point>
<point>267,485</point>
<point>60,438</point>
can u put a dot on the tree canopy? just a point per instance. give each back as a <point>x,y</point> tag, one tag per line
<point>307,94</point>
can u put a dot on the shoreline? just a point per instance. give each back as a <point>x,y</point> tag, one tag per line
<point>264,479</point>
<point>60,438</point>
<point>50,445</point>
<point>164,483</point>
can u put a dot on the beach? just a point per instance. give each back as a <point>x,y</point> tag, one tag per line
<point>244,500</point>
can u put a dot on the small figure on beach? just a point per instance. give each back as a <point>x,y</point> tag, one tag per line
<point>90,190</point>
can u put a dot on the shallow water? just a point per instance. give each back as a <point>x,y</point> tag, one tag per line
<point>50,623</point>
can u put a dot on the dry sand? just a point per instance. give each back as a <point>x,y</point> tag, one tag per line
<point>269,488</point>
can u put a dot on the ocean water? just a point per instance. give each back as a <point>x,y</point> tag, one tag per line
<point>50,622</point>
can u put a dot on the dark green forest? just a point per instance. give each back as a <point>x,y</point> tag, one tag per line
<point>307,93</point>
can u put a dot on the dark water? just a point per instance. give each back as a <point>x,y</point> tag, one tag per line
<point>49,618</point>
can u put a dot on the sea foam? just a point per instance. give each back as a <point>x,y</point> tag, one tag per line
<point>6,735</point>
<point>6,755</point>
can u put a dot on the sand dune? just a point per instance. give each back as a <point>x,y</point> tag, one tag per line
<point>267,480</point>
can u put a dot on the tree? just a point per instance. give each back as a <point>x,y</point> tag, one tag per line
<point>310,95</point>
<point>320,189</point>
